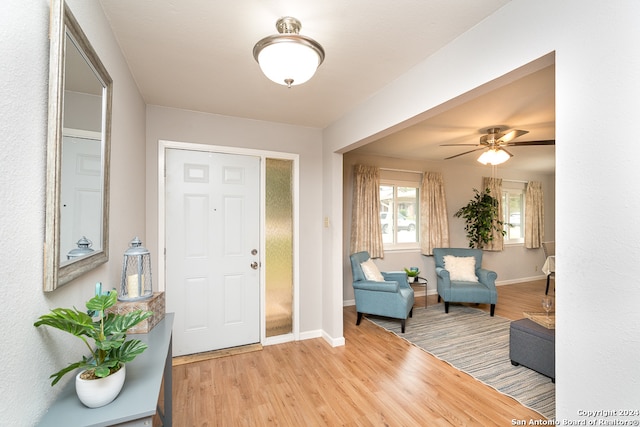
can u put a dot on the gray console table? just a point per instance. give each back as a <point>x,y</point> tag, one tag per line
<point>137,403</point>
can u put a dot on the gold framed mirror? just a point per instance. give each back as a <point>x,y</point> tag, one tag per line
<point>78,149</point>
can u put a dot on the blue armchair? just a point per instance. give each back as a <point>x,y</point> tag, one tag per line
<point>392,297</point>
<point>481,292</point>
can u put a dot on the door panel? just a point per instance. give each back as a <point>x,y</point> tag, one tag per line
<point>81,193</point>
<point>212,226</point>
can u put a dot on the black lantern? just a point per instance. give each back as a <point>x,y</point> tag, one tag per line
<point>136,273</point>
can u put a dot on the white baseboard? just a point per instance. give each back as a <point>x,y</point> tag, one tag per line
<point>520,280</point>
<point>348,303</point>
<point>281,339</point>
<point>333,342</point>
<point>318,333</point>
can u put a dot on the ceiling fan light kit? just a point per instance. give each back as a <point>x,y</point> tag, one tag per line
<point>494,142</point>
<point>494,156</point>
<point>288,58</point>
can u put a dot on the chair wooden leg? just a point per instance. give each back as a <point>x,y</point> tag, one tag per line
<point>493,309</point>
<point>438,297</point>
<point>359,318</point>
<point>411,312</point>
<point>547,291</point>
<point>446,306</point>
<point>403,323</point>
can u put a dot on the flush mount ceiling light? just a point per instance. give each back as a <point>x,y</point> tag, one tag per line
<point>288,58</point>
<point>494,156</point>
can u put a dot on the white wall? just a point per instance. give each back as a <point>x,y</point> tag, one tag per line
<point>514,264</point>
<point>187,126</point>
<point>597,90</point>
<point>29,355</point>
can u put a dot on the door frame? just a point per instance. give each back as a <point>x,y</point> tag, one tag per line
<point>163,145</point>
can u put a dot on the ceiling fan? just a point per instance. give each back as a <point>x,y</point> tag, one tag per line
<point>495,141</point>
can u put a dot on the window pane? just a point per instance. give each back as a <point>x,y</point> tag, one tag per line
<point>407,215</point>
<point>399,214</point>
<point>386,212</point>
<point>513,205</point>
<point>515,215</point>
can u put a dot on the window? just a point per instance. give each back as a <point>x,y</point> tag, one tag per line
<point>399,215</point>
<point>513,207</point>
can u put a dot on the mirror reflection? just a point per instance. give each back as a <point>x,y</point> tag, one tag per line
<point>80,196</point>
<point>77,214</point>
<point>81,173</point>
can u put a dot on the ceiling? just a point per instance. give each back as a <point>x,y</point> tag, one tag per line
<point>527,104</point>
<point>197,55</point>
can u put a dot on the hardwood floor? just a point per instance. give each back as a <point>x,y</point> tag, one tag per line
<point>376,379</point>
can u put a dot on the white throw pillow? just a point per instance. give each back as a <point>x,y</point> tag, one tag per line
<point>371,271</point>
<point>461,268</point>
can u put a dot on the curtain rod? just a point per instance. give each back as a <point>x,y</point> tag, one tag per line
<point>515,180</point>
<point>399,170</point>
<point>418,172</point>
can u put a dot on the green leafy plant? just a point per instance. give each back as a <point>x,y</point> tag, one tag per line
<point>412,273</point>
<point>481,216</point>
<point>108,333</point>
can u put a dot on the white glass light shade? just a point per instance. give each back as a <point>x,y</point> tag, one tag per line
<point>494,156</point>
<point>288,62</point>
<point>288,58</point>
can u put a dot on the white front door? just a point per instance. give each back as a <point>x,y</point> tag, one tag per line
<point>212,243</point>
<point>81,193</point>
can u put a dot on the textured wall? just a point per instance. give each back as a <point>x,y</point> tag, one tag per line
<point>29,355</point>
<point>23,115</point>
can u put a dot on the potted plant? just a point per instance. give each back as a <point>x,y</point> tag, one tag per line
<point>413,273</point>
<point>481,216</point>
<point>101,374</point>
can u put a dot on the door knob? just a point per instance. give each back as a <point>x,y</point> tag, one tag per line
<point>254,265</point>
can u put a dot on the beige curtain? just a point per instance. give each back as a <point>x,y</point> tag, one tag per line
<point>495,187</point>
<point>534,215</point>
<point>434,222</point>
<point>366,231</point>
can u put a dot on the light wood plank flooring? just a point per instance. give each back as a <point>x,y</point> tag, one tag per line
<point>376,379</point>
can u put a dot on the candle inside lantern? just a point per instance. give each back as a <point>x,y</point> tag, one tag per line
<point>133,290</point>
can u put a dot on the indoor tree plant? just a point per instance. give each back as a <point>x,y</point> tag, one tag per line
<point>110,350</point>
<point>482,218</point>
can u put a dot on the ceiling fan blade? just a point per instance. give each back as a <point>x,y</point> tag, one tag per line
<point>509,135</point>
<point>466,152</point>
<point>506,151</point>
<point>523,143</point>
<point>459,145</point>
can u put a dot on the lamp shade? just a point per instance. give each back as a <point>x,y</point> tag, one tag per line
<point>288,58</point>
<point>494,156</point>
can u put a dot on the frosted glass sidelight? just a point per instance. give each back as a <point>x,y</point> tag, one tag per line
<point>279,247</point>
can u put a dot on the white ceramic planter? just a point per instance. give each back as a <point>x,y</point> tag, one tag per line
<point>101,391</point>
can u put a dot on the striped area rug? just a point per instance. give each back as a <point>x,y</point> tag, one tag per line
<point>473,342</point>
